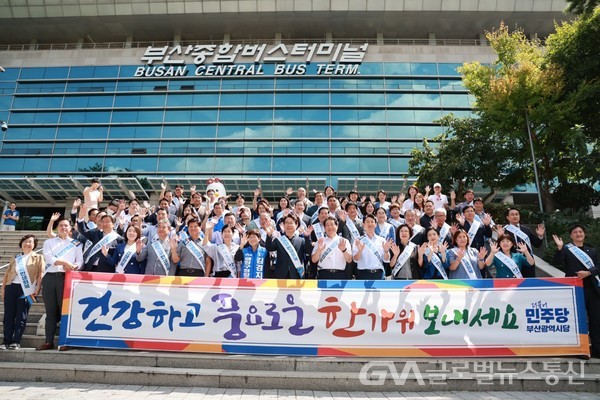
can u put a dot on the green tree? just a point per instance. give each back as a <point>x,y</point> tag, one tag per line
<point>582,6</point>
<point>523,88</point>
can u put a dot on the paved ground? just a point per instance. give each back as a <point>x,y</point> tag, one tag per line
<point>66,391</point>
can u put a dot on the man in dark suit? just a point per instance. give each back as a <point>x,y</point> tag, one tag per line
<point>522,234</point>
<point>94,259</point>
<point>582,261</point>
<point>299,248</point>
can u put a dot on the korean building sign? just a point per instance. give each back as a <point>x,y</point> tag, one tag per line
<point>250,59</point>
<point>531,317</point>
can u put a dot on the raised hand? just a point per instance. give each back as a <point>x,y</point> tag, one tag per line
<point>239,228</point>
<point>76,203</point>
<point>308,231</point>
<point>209,225</point>
<point>372,198</point>
<point>482,253</point>
<point>453,228</point>
<point>342,214</point>
<point>494,248</point>
<point>289,191</point>
<point>540,230</point>
<point>55,216</point>
<point>401,198</point>
<point>321,245</point>
<point>243,240</point>
<point>192,188</point>
<point>452,195</point>
<point>487,219</point>
<point>559,242</point>
<point>387,245</point>
<point>104,251</point>
<point>256,192</point>
<point>522,248</point>
<point>342,245</point>
<point>395,249</point>
<point>460,254</point>
<point>443,247</point>
<point>139,245</point>
<point>421,249</point>
<point>499,230</point>
<point>359,245</point>
<point>163,186</point>
<point>394,198</point>
<point>461,219</point>
<point>363,198</point>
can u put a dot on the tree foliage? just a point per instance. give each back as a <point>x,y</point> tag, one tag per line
<point>582,6</point>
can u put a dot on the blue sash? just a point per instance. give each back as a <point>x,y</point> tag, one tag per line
<point>509,263</point>
<point>195,251</point>
<point>370,246</point>
<point>332,245</point>
<point>583,258</point>
<point>125,260</point>
<point>229,262</point>
<point>102,242</point>
<point>63,252</point>
<point>23,276</point>
<point>437,263</point>
<point>289,249</point>
<point>254,267</point>
<point>520,235</point>
<point>406,253</point>
<point>161,255</point>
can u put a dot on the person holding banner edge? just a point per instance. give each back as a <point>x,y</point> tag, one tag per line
<point>581,261</point>
<point>21,284</point>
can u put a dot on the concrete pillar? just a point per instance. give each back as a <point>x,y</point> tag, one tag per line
<point>226,38</point>
<point>128,41</point>
<point>79,44</point>
<point>380,39</point>
<point>328,37</point>
<point>432,39</point>
<point>278,38</point>
<point>33,44</point>
<point>483,40</point>
<point>176,38</point>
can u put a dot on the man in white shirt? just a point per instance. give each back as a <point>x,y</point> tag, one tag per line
<point>332,253</point>
<point>439,200</point>
<point>62,254</point>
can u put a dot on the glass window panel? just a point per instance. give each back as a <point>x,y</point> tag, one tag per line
<point>232,164</point>
<point>50,102</point>
<point>344,115</point>
<point>11,74</point>
<point>179,100</point>
<point>286,131</point>
<point>427,115</point>
<point>32,73</point>
<point>343,147</point>
<point>145,164</point>
<point>426,100</point>
<point>399,164</point>
<point>5,102</point>
<point>117,164</point>
<point>127,70</point>
<point>374,164</point>
<point>25,102</point>
<point>369,83</point>
<point>460,114</point>
<point>178,115</point>
<point>315,164</point>
<point>234,84</point>
<point>344,99</point>
<point>259,131</point>
<point>22,118</point>
<point>315,147</point>
<point>201,148</point>
<point>456,85</point>
<point>288,115</point>
<point>46,117</point>
<point>448,69</point>
<point>75,102</point>
<point>315,99</point>
<point>401,132</point>
<point>97,116</point>
<point>204,115</point>
<point>260,99</point>
<point>152,100</point>
<point>89,164</point>
<point>92,147</point>
<point>371,115</point>
<point>42,133</point>
<point>202,165</point>
<point>455,100</point>
<point>339,83</point>
<point>81,72</point>
<point>229,147</point>
<point>263,83</point>
<point>372,131</point>
<point>203,131</point>
<point>124,116</point>
<point>315,115</point>
<point>205,100</point>
<point>259,115</point>
<point>13,164</point>
<point>230,131</point>
<point>237,115</point>
<point>233,99</point>
<point>255,164</point>
<point>287,164</point>
<point>371,68</point>
<point>176,132</point>
<point>371,99</point>
<point>344,164</point>
<point>396,68</point>
<point>423,68</point>
<point>344,131</point>
<point>426,84</point>
<point>178,164</point>
<point>401,84</point>
<point>37,165</point>
<point>150,116</point>
<point>95,132</point>
<point>401,115</point>
<point>286,147</point>
<point>119,132</point>
<point>399,100</point>
<point>428,131</point>
<point>66,148</point>
<point>63,164</point>
<point>56,72</point>
<point>19,133</point>
<point>288,99</point>
<point>129,86</point>
<point>315,131</point>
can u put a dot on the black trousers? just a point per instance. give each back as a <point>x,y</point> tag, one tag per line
<point>16,311</point>
<point>369,274</point>
<point>592,305</point>
<point>52,291</point>
<point>189,272</point>
<point>332,274</point>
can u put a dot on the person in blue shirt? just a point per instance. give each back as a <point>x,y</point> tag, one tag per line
<point>10,218</point>
<point>253,258</point>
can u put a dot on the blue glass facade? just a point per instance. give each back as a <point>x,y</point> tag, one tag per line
<point>69,120</point>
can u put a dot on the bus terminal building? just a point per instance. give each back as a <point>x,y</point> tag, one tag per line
<point>291,92</point>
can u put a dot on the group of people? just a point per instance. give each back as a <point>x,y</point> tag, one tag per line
<point>418,236</point>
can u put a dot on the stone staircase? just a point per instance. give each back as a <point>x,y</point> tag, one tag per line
<point>9,244</point>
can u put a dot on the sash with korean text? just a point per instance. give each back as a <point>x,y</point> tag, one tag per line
<point>353,229</point>
<point>229,262</point>
<point>466,264</point>
<point>437,262</point>
<point>63,252</point>
<point>444,233</point>
<point>162,256</point>
<point>473,230</point>
<point>291,252</point>
<point>195,251</point>
<point>509,263</point>
<point>318,229</point>
<point>583,258</point>
<point>332,245</point>
<point>520,235</point>
<point>254,267</point>
<point>107,239</point>
<point>403,258</point>
<point>373,250</point>
<point>23,276</point>
<point>129,252</point>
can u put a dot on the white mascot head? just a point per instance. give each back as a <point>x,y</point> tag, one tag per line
<point>216,185</point>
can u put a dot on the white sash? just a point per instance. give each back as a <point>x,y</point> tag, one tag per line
<point>437,263</point>
<point>319,232</point>
<point>370,246</point>
<point>519,234</point>
<point>473,230</point>
<point>23,276</point>
<point>332,245</point>
<point>582,257</point>
<point>314,217</point>
<point>478,218</point>
<point>416,230</point>
<point>353,229</point>
<point>466,264</point>
<point>183,235</point>
<point>87,245</point>
<point>162,256</point>
<point>403,257</point>
<point>394,222</point>
<point>63,252</point>
<point>195,251</point>
<point>229,262</point>
<point>443,233</point>
<point>384,234</point>
<point>102,242</point>
<point>125,259</point>
<point>289,249</point>
<point>510,264</point>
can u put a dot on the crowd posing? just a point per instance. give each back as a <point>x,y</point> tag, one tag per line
<point>410,236</point>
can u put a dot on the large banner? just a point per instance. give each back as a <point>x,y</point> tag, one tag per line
<point>457,318</point>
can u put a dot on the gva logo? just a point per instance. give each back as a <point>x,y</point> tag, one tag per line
<point>375,373</point>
